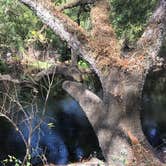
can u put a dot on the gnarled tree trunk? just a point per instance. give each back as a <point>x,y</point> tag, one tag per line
<point>116,117</point>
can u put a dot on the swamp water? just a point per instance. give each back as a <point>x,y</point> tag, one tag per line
<point>153,113</point>
<point>63,134</point>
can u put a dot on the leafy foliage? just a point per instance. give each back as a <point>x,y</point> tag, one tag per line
<point>16,22</point>
<point>3,67</point>
<point>129,17</point>
<point>16,162</point>
<point>20,28</point>
<point>84,19</point>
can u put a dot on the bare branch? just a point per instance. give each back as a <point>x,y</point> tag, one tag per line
<point>153,36</point>
<point>15,127</point>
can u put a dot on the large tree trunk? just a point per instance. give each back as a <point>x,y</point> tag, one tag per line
<point>116,122</point>
<point>116,117</point>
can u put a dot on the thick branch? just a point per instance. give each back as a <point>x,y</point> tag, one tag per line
<point>104,123</point>
<point>67,71</point>
<point>152,38</point>
<point>104,39</point>
<point>92,105</point>
<point>94,109</point>
<point>64,27</point>
<point>100,15</point>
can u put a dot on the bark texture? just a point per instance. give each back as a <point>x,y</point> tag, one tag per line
<point>115,118</point>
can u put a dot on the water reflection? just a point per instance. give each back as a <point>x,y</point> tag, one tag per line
<point>63,134</point>
<point>154,110</point>
<point>11,142</point>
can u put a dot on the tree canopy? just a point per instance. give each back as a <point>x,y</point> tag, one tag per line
<point>20,26</point>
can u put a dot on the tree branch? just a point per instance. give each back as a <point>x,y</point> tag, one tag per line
<point>104,39</point>
<point>103,122</point>
<point>91,104</point>
<point>66,71</point>
<point>100,15</point>
<point>64,27</point>
<point>153,36</point>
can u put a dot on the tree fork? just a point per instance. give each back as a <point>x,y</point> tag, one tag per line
<point>122,78</point>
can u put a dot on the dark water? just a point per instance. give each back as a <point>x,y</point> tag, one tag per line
<point>63,134</point>
<point>9,143</point>
<point>154,110</point>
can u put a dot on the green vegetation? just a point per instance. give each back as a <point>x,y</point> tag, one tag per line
<point>16,24</point>
<point>3,67</point>
<point>16,162</point>
<point>130,17</point>
<point>20,28</point>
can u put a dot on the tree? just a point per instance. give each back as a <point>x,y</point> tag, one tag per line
<point>115,118</point>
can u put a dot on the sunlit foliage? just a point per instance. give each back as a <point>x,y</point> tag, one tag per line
<point>20,28</point>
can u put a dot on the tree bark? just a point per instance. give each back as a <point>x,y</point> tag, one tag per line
<point>116,117</point>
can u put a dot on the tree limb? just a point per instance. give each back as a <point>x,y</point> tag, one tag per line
<point>104,40</point>
<point>91,104</point>
<point>153,36</point>
<point>64,27</point>
<point>102,121</point>
<point>100,15</point>
<point>67,71</point>
<point>74,58</point>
